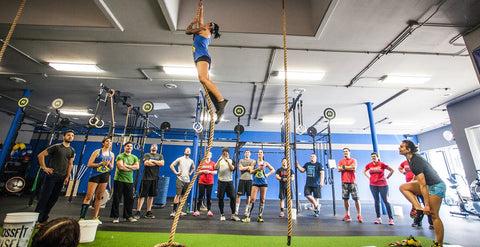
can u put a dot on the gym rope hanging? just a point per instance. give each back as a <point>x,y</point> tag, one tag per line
<point>10,32</point>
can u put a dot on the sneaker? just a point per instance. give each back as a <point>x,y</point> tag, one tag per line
<point>259,219</point>
<point>222,217</point>
<point>282,214</point>
<point>149,215</point>
<point>378,221</point>
<point>210,213</point>
<point>81,219</point>
<point>221,110</point>
<point>183,213</point>
<point>115,220</point>
<point>246,214</point>
<point>415,224</point>
<point>172,214</point>
<point>38,225</point>
<point>360,219</point>
<point>315,213</point>
<point>137,215</point>
<point>98,220</point>
<point>246,220</point>
<point>431,227</point>
<point>435,244</point>
<point>390,222</point>
<point>234,218</point>
<point>131,219</point>
<point>347,218</point>
<point>196,213</point>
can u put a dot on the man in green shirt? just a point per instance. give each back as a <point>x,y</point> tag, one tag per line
<point>123,183</point>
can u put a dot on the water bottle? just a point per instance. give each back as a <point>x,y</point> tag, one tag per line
<point>188,208</point>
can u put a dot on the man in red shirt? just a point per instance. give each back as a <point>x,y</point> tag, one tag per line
<point>347,167</point>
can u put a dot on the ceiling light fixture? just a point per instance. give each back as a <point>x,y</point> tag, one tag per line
<point>75,67</point>
<point>300,75</point>
<point>170,85</point>
<point>273,118</point>
<point>73,112</point>
<point>400,79</point>
<point>160,106</point>
<point>177,70</point>
<point>344,121</point>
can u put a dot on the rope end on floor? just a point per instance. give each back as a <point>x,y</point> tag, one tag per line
<point>168,244</point>
<point>289,240</point>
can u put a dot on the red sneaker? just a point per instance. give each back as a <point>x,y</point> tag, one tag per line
<point>360,219</point>
<point>347,218</point>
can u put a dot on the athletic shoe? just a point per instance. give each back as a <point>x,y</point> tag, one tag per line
<point>98,220</point>
<point>222,217</point>
<point>246,220</point>
<point>131,219</point>
<point>390,222</point>
<point>234,218</point>
<point>415,224</point>
<point>360,219</point>
<point>196,213</point>
<point>431,227</point>
<point>182,213</point>
<point>149,215</point>
<point>210,213</point>
<point>81,219</point>
<point>259,219</point>
<point>172,214</point>
<point>315,213</point>
<point>39,225</point>
<point>378,221</point>
<point>435,244</point>
<point>221,110</point>
<point>116,220</point>
<point>246,214</point>
<point>347,218</point>
<point>281,214</point>
<point>137,215</point>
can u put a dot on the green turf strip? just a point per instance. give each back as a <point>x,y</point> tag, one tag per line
<point>131,239</point>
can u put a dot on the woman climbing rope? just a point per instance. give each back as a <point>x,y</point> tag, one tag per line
<point>201,39</point>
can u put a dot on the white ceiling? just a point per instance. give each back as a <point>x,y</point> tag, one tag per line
<point>339,37</point>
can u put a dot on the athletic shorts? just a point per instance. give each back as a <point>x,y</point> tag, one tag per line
<point>180,187</point>
<point>225,187</point>
<point>316,191</point>
<point>260,185</point>
<point>282,192</point>
<point>100,179</point>
<point>244,187</point>
<point>205,59</point>
<point>148,188</point>
<point>437,189</point>
<point>349,188</point>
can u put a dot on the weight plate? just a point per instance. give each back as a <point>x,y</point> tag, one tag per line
<point>311,131</point>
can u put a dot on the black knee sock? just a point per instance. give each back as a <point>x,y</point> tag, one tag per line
<point>83,212</point>
<point>175,205</point>
<point>214,100</point>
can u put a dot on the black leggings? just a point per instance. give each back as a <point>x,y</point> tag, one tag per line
<point>202,188</point>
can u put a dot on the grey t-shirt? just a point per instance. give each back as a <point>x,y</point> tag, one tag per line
<point>245,175</point>
<point>224,172</point>
<point>184,165</point>
<point>151,172</point>
<point>59,158</point>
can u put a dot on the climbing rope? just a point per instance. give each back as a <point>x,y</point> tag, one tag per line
<point>194,178</point>
<point>10,32</point>
<point>287,126</point>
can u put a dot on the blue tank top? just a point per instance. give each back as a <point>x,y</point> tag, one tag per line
<point>259,176</point>
<point>200,47</point>
<point>101,169</point>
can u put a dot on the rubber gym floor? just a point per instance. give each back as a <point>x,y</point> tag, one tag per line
<point>458,230</point>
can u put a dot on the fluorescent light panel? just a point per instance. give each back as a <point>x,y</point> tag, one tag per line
<point>396,79</point>
<point>75,67</point>
<point>160,106</point>
<point>299,75</point>
<point>342,121</point>
<point>176,70</point>
<point>73,112</point>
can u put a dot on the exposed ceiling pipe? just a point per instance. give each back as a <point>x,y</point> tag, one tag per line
<point>397,41</point>
<point>377,122</point>
<point>23,53</point>
<point>390,99</point>
<point>254,91</point>
<point>455,100</point>
<point>264,83</point>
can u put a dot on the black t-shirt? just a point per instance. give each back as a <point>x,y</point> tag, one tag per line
<point>283,173</point>
<point>313,173</point>
<point>419,165</point>
<point>59,158</point>
<point>151,172</point>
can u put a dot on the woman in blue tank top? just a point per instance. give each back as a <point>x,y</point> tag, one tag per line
<point>259,183</point>
<point>101,164</point>
<point>201,40</point>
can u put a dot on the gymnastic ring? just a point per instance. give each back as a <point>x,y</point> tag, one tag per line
<point>93,121</point>
<point>197,127</point>
<point>99,124</point>
<point>301,129</point>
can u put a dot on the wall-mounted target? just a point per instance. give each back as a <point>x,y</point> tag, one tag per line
<point>311,131</point>
<point>239,110</point>
<point>239,129</point>
<point>57,103</point>
<point>23,102</point>
<point>147,106</point>
<point>329,113</point>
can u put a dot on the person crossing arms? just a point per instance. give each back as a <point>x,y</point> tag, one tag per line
<point>225,169</point>
<point>347,166</point>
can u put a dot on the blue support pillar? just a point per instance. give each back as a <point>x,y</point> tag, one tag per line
<point>373,133</point>
<point>13,129</point>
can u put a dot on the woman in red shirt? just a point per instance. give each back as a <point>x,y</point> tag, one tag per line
<point>378,185</point>
<point>205,184</point>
